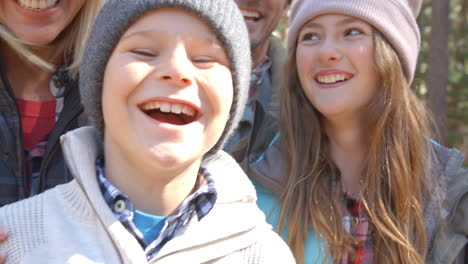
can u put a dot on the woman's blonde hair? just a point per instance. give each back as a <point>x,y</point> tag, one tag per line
<point>394,177</point>
<point>71,42</point>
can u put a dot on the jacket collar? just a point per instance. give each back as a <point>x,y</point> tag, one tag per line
<point>447,161</point>
<point>81,147</point>
<point>444,164</point>
<point>277,54</point>
<point>235,214</point>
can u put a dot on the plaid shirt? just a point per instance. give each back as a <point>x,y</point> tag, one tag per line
<point>200,202</point>
<point>357,224</point>
<point>33,162</point>
<point>245,126</point>
<point>35,156</point>
<point>257,76</point>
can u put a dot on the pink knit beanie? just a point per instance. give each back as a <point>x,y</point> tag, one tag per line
<point>395,19</point>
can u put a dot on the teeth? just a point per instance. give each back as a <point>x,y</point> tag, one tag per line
<point>165,107</point>
<point>169,108</point>
<point>42,4</point>
<point>331,78</point>
<point>250,14</point>
<point>37,4</point>
<point>188,110</point>
<point>152,105</point>
<point>176,108</point>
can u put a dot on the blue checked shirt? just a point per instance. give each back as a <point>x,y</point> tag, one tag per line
<point>200,202</point>
<point>257,75</point>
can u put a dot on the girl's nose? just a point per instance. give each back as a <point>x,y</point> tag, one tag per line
<point>330,52</point>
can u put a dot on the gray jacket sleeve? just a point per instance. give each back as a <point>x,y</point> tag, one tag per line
<point>449,244</point>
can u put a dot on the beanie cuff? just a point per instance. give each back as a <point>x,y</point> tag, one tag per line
<point>393,19</point>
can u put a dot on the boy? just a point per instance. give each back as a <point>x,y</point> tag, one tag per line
<point>163,83</point>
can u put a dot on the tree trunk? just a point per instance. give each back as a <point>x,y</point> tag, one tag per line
<point>437,75</point>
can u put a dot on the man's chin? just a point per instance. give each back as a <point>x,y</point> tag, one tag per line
<point>257,42</point>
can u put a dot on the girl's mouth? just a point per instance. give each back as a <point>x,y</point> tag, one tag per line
<point>331,79</point>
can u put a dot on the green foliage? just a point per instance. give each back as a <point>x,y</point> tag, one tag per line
<point>457,100</point>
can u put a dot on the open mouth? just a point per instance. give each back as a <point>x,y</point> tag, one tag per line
<point>172,113</point>
<point>250,15</point>
<point>333,78</point>
<point>37,5</point>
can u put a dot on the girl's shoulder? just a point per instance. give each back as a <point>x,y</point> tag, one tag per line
<point>446,161</point>
<point>449,242</point>
<point>446,168</point>
<point>457,200</point>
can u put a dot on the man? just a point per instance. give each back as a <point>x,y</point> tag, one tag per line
<point>257,127</point>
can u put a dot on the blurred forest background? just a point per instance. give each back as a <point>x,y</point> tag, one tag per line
<point>442,74</point>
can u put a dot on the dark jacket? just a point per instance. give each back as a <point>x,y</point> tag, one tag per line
<point>447,230</point>
<point>13,171</point>
<point>250,138</point>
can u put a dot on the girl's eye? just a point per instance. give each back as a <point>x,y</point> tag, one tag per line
<point>309,37</point>
<point>145,53</point>
<point>353,32</point>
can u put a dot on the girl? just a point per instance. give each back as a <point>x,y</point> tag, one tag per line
<point>40,49</point>
<point>354,168</point>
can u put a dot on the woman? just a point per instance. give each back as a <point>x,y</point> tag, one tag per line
<point>354,168</point>
<point>42,42</point>
<point>40,53</point>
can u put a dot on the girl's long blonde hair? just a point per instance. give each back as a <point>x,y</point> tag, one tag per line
<point>394,178</point>
<point>71,42</point>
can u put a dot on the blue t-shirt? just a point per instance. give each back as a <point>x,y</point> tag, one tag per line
<point>268,202</point>
<point>149,225</point>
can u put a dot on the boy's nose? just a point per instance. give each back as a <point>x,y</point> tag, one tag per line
<point>177,69</point>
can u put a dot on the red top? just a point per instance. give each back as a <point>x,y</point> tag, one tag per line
<point>37,119</point>
<point>358,225</point>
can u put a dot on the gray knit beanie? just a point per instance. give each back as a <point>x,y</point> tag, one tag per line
<point>395,19</point>
<point>116,16</point>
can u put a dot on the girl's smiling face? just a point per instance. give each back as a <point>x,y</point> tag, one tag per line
<point>167,91</point>
<point>335,62</point>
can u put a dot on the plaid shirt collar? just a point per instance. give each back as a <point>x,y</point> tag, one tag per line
<point>257,76</point>
<point>200,202</point>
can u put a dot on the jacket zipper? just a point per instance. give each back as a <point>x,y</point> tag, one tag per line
<point>50,154</point>
<point>74,173</point>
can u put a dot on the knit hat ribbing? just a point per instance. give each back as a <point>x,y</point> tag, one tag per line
<point>116,16</point>
<point>395,19</point>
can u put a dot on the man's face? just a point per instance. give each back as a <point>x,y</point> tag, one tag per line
<point>261,17</point>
